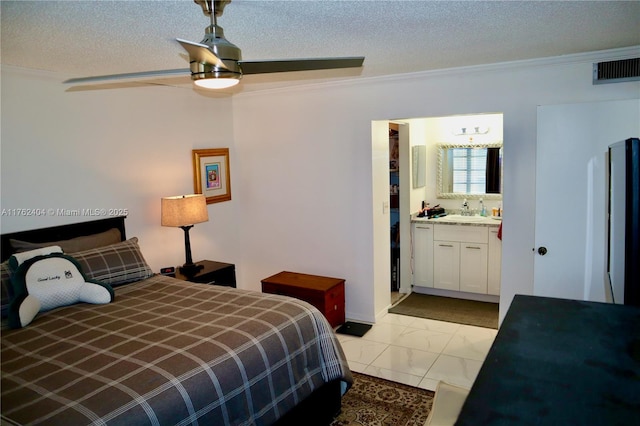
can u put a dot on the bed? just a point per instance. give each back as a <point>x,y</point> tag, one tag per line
<point>164,351</point>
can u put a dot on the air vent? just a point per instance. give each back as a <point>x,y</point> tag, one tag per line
<point>616,71</point>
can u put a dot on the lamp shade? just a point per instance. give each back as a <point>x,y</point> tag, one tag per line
<point>184,210</point>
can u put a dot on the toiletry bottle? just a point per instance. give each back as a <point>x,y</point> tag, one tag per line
<point>483,209</point>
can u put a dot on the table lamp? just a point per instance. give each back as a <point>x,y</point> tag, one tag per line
<point>184,211</point>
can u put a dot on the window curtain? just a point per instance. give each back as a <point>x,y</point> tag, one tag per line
<point>493,171</point>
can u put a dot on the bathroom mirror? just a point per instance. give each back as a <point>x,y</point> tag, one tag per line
<point>469,171</point>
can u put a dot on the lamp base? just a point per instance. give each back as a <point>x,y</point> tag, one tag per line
<point>190,269</point>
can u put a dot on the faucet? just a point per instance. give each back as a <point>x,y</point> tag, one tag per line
<point>464,211</point>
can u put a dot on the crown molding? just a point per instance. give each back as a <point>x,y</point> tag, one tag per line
<point>585,57</point>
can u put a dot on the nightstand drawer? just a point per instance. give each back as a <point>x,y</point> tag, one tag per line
<point>326,294</point>
<point>215,273</point>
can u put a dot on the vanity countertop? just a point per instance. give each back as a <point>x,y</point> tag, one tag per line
<point>456,219</point>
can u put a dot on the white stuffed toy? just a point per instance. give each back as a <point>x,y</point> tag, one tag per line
<point>44,279</point>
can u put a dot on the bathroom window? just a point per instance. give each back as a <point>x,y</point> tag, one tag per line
<point>469,170</point>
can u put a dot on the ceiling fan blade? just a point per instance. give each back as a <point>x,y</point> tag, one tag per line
<point>201,53</point>
<point>180,81</point>
<point>286,65</point>
<point>131,75</point>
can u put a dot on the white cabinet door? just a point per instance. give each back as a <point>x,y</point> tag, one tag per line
<point>423,255</point>
<point>473,267</point>
<point>446,263</point>
<point>494,263</point>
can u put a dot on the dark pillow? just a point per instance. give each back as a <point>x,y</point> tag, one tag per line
<point>73,245</point>
<point>115,264</point>
<point>5,282</point>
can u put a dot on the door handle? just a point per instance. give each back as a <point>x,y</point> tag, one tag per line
<point>542,251</point>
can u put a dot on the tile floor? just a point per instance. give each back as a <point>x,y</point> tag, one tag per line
<point>419,352</point>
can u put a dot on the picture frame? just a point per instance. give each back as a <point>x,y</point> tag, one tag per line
<point>211,174</point>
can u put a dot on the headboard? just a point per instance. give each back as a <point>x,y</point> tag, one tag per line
<point>62,232</point>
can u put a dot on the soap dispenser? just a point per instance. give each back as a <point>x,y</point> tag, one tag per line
<point>483,209</point>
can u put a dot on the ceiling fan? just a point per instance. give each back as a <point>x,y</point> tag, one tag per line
<point>216,63</point>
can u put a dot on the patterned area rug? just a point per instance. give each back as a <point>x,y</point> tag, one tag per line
<point>470,312</point>
<point>375,402</point>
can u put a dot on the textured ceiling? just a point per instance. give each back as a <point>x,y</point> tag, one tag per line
<point>85,38</point>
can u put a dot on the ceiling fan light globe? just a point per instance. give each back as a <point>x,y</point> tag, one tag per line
<point>216,82</point>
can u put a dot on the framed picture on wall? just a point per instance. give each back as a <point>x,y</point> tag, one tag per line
<point>211,176</point>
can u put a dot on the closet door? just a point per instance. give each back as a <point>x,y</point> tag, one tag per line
<point>571,195</point>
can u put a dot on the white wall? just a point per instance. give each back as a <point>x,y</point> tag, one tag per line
<point>319,140</point>
<point>122,148</point>
<point>302,163</point>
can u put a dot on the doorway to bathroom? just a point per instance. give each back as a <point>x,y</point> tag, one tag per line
<point>422,180</point>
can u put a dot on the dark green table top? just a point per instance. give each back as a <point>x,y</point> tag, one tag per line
<point>560,362</point>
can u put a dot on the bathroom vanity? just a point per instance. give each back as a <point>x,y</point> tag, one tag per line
<point>457,254</point>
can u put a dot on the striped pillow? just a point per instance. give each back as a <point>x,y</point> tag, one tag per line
<point>116,264</point>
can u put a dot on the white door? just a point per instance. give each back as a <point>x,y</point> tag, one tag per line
<point>571,195</point>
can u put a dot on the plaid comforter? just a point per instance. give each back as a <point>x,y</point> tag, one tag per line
<point>168,352</point>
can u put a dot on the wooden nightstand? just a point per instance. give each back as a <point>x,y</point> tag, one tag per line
<point>217,273</point>
<point>326,294</point>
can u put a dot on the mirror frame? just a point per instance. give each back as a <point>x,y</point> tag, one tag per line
<point>457,195</point>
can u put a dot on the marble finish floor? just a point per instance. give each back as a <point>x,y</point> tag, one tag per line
<point>419,352</point>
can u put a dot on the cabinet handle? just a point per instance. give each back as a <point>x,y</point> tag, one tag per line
<point>423,227</point>
<point>475,248</point>
<point>445,245</point>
